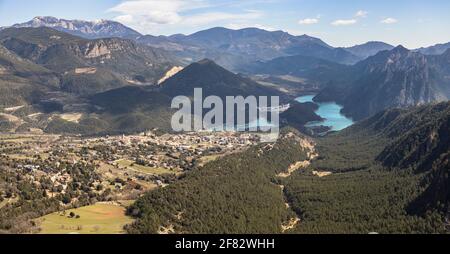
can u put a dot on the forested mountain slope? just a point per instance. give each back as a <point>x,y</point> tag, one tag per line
<point>22,81</point>
<point>347,188</point>
<point>425,147</point>
<point>236,194</point>
<point>88,66</point>
<point>386,174</point>
<point>214,81</point>
<point>395,78</point>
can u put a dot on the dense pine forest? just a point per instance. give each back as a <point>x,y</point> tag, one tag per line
<point>367,193</point>
<point>348,187</point>
<point>360,196</point>
<point>236,194</point>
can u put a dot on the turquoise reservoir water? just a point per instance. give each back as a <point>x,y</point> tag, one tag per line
<point>329,111</point>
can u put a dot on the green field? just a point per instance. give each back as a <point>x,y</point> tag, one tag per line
<point>94,219</point>
<point>144,169</point>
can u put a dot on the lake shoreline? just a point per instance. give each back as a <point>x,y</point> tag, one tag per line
<point>330,111</point>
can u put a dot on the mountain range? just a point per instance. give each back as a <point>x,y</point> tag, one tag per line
<point>88,29</point>
<point>224,45</point>
<point>61,64</point>
<point>437,49</point>
<point>229,48</point>
<point>395,78</point>
<point>369,49</point>
<point>116,85</point>
<point>257,44</point>
<point>88,66</point>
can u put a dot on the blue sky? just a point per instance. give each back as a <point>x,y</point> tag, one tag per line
<point>412,23</point>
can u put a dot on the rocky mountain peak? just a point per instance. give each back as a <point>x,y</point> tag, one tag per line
<point>400,50</point>
<point>87,29</point>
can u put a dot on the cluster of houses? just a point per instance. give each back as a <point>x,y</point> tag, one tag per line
<point>166,153</point>
<point>171,151</point>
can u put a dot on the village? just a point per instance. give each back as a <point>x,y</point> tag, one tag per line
<point>60,173</point>
<point>127,164</point>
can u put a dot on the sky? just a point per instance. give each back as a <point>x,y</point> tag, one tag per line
<point>340,23</point>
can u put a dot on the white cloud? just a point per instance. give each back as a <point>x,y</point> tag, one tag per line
<point>389,21</point>
<point>154,16</point>
<point>211,17</point>
<point>361,14</point>
<point>344,22</point>
<point>308,21</point>
<point>155,11</point>
<point>347,22</point>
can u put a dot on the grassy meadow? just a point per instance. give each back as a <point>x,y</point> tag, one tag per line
<point>95,219</point>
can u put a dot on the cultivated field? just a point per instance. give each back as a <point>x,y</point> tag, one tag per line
<point>143,169</point>
<point>96,219</point>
